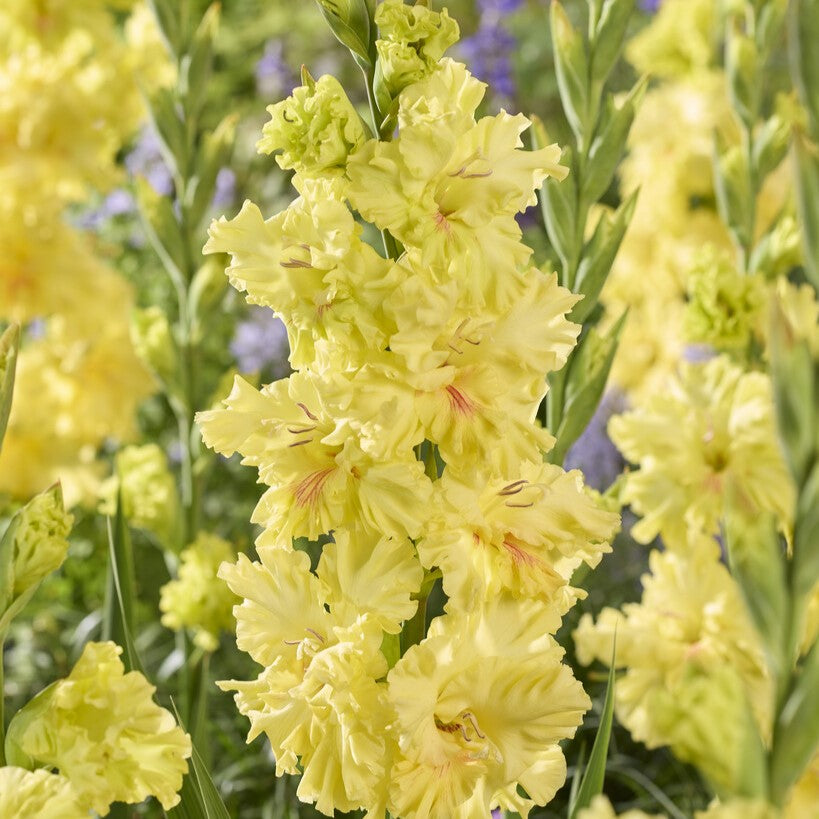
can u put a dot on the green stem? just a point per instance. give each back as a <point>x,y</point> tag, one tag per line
<point>390,246</point>
<point>415,629</point>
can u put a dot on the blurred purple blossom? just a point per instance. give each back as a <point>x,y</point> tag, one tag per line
<point>225,190</point>
<point>488,51</point>
<point>593,453</point>
<point>698,353</point>
<point>260,341</point>
<point>650,6</point>
<point>145,159</point>
<point>274,78</point>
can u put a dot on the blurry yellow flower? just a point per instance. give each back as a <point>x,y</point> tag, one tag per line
<point>315,129</point>
<point>100,728</point>
<point>147,487</point>
<point>523,533</point>
<point>600,808</point>
<point>804,797</point>
<point>738,808</point>
<point>197,599</point>
<point>712,428</point>
<point>724,305</point>
<point>37,795</point>
<point>413,38</point>
<point>692,658</point>
<point>798,310</point>
<point>680,40</point>
<point>480,707</point>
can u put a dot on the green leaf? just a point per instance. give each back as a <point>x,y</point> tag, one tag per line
<point>757,560</point>
<point>796,396</point>
<point>771,144</point>
<point>214,153</point>
<point>589,368</point>
<point>598,257</point>
<point>803,35</point>
<point>608,38</point>
<point>167,117</point>
<point>195,66</point>
<point>558,202</point>
<point>609,143</point>
<point>796,734</point>
<point>805,569</point>
<point>199,797</point>
<point>120,594</point>
<point>167,17</point>
<point>593,777</point>
<point>732,184</point>
<point>163,230</point>
<point>807,197</point>
<point>571,69</point>
<point>742,67</point>
<point>9,347</point>
<point>351,22</point>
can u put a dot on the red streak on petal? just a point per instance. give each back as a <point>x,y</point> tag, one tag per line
<point>308,490</point>
<point>519,555</point>
<point>459,402</point>
<point>442,224</point>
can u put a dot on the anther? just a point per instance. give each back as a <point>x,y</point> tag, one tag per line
<point>471,717</point>
<point>295,263</point>
<point>519,505</point>
<point>513,488</point>
<point>300,430</point>
<point>299,443</point>
<point>316,634</point>
<point>307,412</point>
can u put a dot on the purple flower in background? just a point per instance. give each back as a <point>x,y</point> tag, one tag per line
<point>488,51</point>
<point>651,6</point>
<point>261,341</point>
<point>225,190</point>
<point>698,353</point>
<point>273,76</point>
<point>146,160</point>
<point>593,452</point>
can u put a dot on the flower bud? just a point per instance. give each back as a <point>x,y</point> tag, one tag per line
<point>413,40</point>
<point>151,337</point>
<point>33,546</point>
<point>315,129</point>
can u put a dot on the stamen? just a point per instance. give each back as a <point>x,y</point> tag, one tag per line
<point>316,634</point>
<point>462,729</point>
<point>299,443</point>
<point>307,412</point>
<point>478,175</point>
<point>295,263</point>
<point>471,717</point>
<point>513,488</point>
<point>519,505</point>
<point>291,642</point>
<point>300,430</point>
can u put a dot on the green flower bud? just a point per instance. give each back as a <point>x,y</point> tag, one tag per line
<point>724,306</point>
<point>153,343</point>
<point>315,129</point>
<point>413,40</point>
<point>39,541</point>
<point>148,491</point>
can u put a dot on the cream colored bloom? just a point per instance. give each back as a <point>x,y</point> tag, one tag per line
<point>197,599</point>
<point>37,795</point>
<point>480,706</point>
<point>711,430</point>
<point>100,728</point>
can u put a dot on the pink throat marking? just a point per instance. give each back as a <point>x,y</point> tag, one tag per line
<point>308,490</point>
<point>519,555</point>
<point>459,402</point>
<point>441,223</point>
